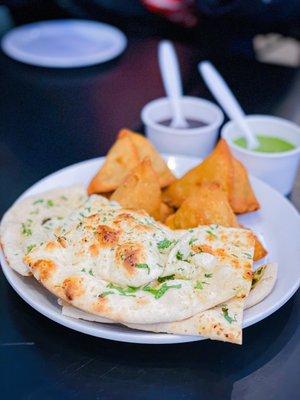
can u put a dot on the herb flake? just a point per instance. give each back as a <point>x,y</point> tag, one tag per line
<point>143,266</point>
<point>25,230</point>
<point>179,255</point>
<point>164,244</point>
<point>38,201</point>
<point>158,293</point>
<point>211,233</point>
<point>248,255</point>
<point>199,285</point>
<point>106,293</point>
<point>30,248</point>
<point>127,291</point>
<point>227,316</point>
<point>162,279</point>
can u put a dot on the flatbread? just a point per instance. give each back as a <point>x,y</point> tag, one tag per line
<point>111,262</point>
<point>69,311</point>
<point>264,285</point>
<point>29,222</point>
<point>223,322</point>
<point>210,324</point>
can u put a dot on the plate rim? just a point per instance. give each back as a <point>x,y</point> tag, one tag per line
<point>135,336</point>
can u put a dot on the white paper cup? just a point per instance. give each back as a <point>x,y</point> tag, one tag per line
<point>277,169</point>
<point>192,141</point>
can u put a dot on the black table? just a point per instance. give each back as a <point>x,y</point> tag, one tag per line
<point>50,119</point>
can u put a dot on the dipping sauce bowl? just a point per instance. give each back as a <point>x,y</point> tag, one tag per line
<point>190,141</point>
<point>277,169</point>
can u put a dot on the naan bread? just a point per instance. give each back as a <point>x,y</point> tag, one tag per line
<point>29,222</point>
<point>211,253</point>
<point>263,284</point>
<point>72,312</point>
<point>223,322</point>
<point>111,262</point>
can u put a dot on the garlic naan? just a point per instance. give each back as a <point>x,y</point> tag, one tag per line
<point>223,322</point>
<point>29,222</point>
<point>117,263</point>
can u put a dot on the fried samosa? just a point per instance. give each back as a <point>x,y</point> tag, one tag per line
<point>120,160</point>
<point>140,190</point>
<point>216,168</point>
<point>146,149</point>
<point>242,198</point>
<point>208,204</point>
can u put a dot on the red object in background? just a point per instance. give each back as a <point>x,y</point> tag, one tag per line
<point>182,12</point>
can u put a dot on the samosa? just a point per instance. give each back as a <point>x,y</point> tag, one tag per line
<point>216,168</point>
<point>259,250</point>
<point>242,198</point>
<point>140,190</point>
<point>121,158</point>
<point>146,149</point>
<point>164,212</point>
<point>208,204</point>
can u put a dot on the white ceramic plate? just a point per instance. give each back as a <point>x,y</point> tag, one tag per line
<point>64,43</point>
<point>278,223</point>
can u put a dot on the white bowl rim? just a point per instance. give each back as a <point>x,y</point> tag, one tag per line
<point>283,121</point>
<point>189,131</point>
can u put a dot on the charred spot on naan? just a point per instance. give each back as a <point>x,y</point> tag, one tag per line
<point>94,250</point>
<point>62,241</point>
<point>124,217</point>
<point>91,221</point>
<point>132,220</point>
<point>228,336</point>
<point>203,248</point>
<point>206,248</point>
<point>73,287</point>
<point>107,236</point>
<point>248,275</point>
<point>142,301</point>
<point>44,269</point>
<point>128,255</point>
<point>101,305</point>
<point>52,245</point>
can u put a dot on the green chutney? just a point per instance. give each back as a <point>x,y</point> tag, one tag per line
<point>267,144</point>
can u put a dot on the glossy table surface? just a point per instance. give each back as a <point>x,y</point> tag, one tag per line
<point>53,118</point>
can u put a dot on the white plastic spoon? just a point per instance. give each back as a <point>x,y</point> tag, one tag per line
<point>169,69</point>
<point>225,97</point>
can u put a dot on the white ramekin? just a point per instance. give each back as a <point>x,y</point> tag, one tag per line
<point>277,169</point>
<point>194,141</point>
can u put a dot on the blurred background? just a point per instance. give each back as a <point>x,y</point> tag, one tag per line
<point>228,25</point>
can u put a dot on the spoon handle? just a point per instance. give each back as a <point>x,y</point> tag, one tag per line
<point>170,73</point>
<point>225,97</point>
